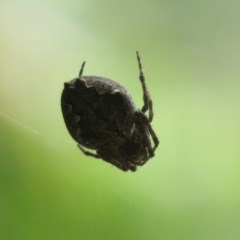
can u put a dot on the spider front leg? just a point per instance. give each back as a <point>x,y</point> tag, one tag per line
<point>146,96</point>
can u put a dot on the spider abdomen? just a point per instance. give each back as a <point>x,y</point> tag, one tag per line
<point>94,114</point>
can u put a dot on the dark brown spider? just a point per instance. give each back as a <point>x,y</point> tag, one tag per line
<point>100,115</point>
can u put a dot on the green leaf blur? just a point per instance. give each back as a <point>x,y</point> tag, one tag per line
<point>190,52</point>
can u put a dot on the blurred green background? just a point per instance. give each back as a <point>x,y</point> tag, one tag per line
<point>190,51</point>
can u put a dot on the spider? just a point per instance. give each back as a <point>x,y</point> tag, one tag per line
<point>100,115</point>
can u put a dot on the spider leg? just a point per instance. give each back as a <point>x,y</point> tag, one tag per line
<point>146,96</point>
<point>145,123</point>
<point>124,167</point>
<point>87,153</point>
<point>81,70</point>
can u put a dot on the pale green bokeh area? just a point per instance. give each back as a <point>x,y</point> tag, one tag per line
<point>190,51</point>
